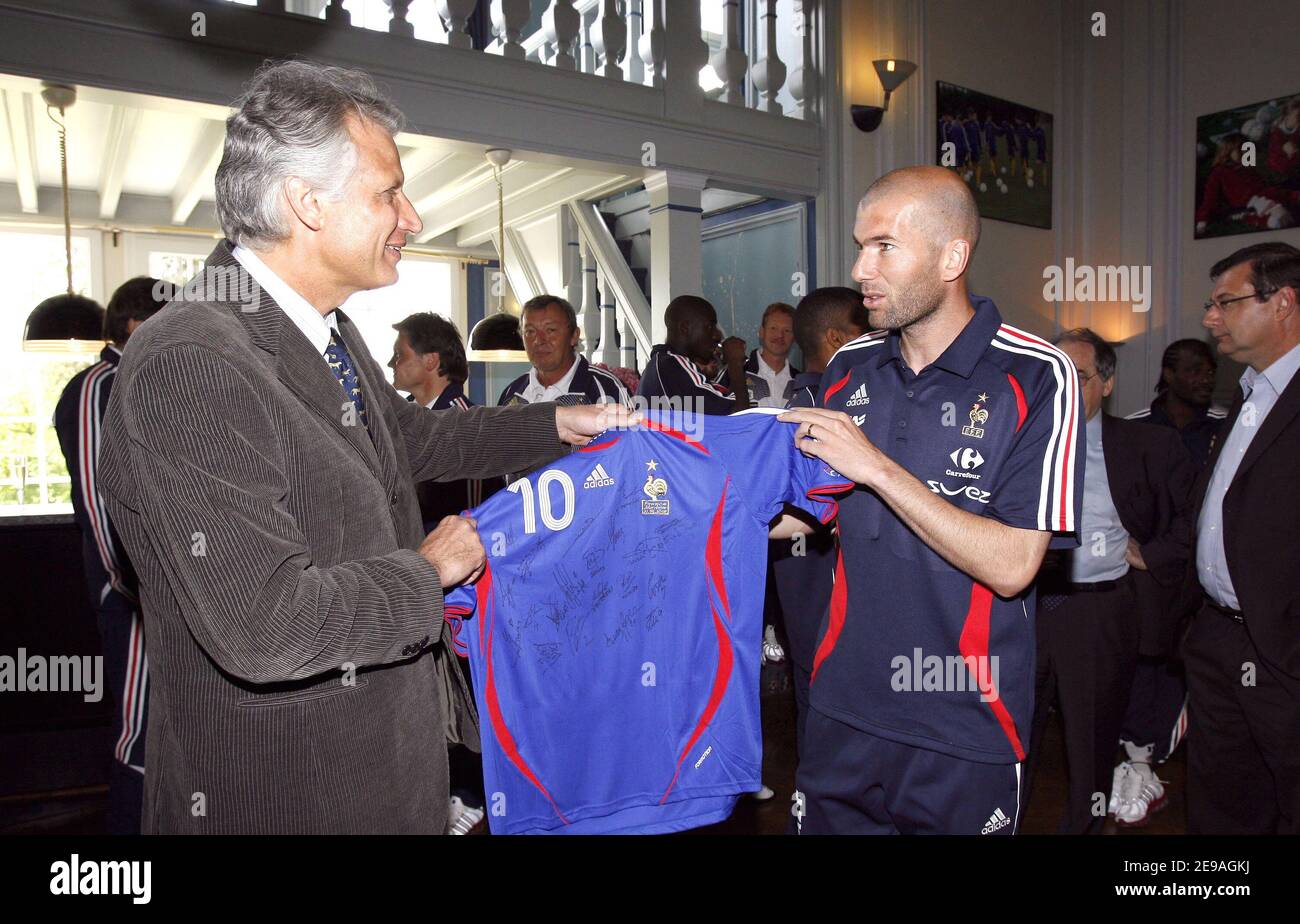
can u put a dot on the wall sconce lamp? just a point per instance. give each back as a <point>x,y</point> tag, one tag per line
<point>892,73</point>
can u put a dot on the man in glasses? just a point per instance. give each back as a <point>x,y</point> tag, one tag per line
<point>1242,651</point>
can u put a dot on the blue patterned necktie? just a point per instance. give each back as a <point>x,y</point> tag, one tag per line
<point>336,354</point>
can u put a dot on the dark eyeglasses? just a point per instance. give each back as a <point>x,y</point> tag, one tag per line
<point>1224,303</point>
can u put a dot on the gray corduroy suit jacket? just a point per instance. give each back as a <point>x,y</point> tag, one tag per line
<point>275,544</point>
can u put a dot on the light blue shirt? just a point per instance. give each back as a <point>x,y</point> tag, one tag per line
<point>1103,540</point>
<point>1260,391</point>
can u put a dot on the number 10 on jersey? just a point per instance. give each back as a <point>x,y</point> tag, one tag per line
<point>532,507</point>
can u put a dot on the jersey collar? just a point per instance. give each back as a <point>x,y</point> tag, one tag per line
<point>966,351</point>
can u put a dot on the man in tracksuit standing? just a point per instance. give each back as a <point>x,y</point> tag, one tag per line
<point>110,579</point>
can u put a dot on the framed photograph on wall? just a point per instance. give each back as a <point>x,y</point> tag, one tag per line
<point>1001,149</point>
<point>1248,168</point>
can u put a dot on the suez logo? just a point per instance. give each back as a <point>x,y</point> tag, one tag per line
<point>970,491</point>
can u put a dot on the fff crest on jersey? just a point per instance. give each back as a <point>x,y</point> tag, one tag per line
<point>656,489</point>
<point>979,416</point>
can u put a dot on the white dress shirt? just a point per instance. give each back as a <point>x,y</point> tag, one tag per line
<point>776,382</point>
<point>536,391</point>
<point>315,327</point>
<point>1260,391</point>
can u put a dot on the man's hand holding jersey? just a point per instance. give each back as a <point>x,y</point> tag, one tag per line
<point>454,548</point>
<point>578,424</point>
<point>1003,558</point>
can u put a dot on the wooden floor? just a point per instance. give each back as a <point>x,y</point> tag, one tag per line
<point>83,811</point>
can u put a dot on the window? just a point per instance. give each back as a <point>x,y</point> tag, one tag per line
<point>33,475</point>
<point>423,284</point>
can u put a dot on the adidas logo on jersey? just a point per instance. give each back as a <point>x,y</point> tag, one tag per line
<point>859,397</point>
<point>598,478</point>
<point>997,821</point>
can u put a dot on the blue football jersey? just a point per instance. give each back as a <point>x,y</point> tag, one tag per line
<point>616,630</point>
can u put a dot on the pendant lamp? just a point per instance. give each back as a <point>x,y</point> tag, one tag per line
<point>67,323</point>
<point>496,338</point>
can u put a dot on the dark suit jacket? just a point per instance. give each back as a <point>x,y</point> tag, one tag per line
<point>1150,476</point>
<point>275,546</point>
<point>1259,531</point>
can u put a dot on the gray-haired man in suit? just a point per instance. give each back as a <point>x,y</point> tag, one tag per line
<point>259,468</point>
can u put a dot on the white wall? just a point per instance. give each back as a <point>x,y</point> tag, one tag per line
<point>1006,48</point>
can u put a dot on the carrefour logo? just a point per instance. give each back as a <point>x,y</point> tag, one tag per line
<point>966,458</point>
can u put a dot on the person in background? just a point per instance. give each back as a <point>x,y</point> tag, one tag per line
<point>1135,526</point>
<point>112,582</point>
<point>676,369</point>
<point>550,330</point>
<point>825,320</point>
<point>429,362</point>
<point>769,377</point>
<point>768,371</point>
<point>1242,650</point>
<point>1157,711</point>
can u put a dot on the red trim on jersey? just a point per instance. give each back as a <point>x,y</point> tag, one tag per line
<point>836,387</point>
<point>839,606</point>
<point>596,447</point>
<point>713,551</point>
<point>974,643</point>
<point>1067,469</point>
<point>831,508</point>
<point>676,434</point>
<point>504,738</point>
<point>713,560</point>
<point>715,696</point>
<point>1022,409</point>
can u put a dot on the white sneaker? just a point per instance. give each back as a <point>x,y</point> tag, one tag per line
<point>1129,806</point>
<point>1114,788</point>
<point>764,793</point>
<point>462,818</point>
<point>773,653</point>
<point>1152,786</point>
<point>1138,793</point>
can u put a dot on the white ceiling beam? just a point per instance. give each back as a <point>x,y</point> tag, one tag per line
<point>480,199</point>
<point>122,125</point>
<point>200,166</point>
<point>574,184</point>
<point>22,139</point>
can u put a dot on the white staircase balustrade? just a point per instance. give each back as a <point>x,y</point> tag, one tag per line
<point>561,24</point>
<point>590,311</point>
<point>652,43</point>
<point>456,14</point>
<point>803,79</point>
<point>607,352</point>
<point>634,67</point>
<point>633,40</point>
<point>617,283</point>
<point>730,62</point>
<point>508,20</point>
<point>768,72</point>
<point>608,39</point>
<point>398,24</point>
